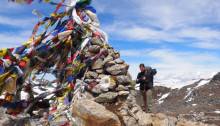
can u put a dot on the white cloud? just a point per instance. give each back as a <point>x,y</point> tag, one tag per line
<point>22,23</point>
<point>175,64</point>
<point>206,45</point>
<point>194,36</point>
<point>164,21</point>
<point>9,7</point>
<point>134,52</point>
<point>12,39</point>
<point>204,33</point>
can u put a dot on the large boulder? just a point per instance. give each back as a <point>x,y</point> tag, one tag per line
<point>106,97</point>
<point>97,41</point>
<point>108,59</point>
<point>123,93</point>
<point>91,75</point>
<point>110,63</point>
<point>144,119</point>
<point>117,69</point>
<point>94,48</point>
<point>97,89</point>
<point>98,64</point>
<point>90,113</point>
<point>122,79</point>
<point>121,88</point>
<point>119,61</point>
<point>100,71</point>
<point>101,76</point>
<point>132,122</point>
<point>116,51</point>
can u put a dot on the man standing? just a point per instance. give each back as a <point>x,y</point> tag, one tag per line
<point>145,78</point>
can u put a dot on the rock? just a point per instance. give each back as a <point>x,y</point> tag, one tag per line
<point>106,97</point>
<point>94,49</point>
<point>123,112</point>
<point>119,61</point>
<point>117,56</point>
<point>123,93</point>
<point>133,93</point>
<point>121,88</point>
<point>172,121</point>
<point>107,59</point>
<point>112,85</point>
<point>89,81</point>
<point>98,64</point>
<point>118,69</point>
<point>160,116</point>
<point>110,47</point>
<point>110,63</point>
<point>88,95</point>
<point>90,113</point>
<point>126,119</point>
<point>97,89</point>
<point>125,107</point>
<point>122,98</point>
<point>159,122</point>
<point>91,75</point>
<point>128,86</point>
<point>216,78</point>
<point>99,71</point>
<point>129,75</point>
<point>18,122</point>
<point>131,122</point>
<point>87,55</point>
<point>144,119</point>
<point>134,109</point>
<point>114,56</point>
<point>59,121</point>
<point>116,51</point>
<point>132,114</point>
<point>105,53</point>
<point>122,79</point>
<point>101,76</point>
<point>97,41</point>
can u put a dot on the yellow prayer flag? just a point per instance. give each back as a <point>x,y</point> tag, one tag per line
<point>3,52</point>
<point>27,44</point>
<point>46,0</point>
<point>3,76</point>
<point>25,59</point>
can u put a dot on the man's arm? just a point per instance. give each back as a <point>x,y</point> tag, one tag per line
<point>138,78</point>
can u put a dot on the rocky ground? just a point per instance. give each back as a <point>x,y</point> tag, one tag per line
<point>199,101</point>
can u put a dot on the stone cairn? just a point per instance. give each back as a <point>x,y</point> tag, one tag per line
<point>90,110</point>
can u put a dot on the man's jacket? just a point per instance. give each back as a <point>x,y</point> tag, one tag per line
<point>148,82</point>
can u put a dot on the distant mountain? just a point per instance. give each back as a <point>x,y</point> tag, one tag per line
<point>196,100</point>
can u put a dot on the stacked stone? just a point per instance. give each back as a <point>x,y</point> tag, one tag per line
<point>109,64</point>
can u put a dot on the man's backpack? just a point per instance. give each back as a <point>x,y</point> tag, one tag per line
<point>149,73</point>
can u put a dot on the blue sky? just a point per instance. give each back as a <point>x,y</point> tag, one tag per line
<point>180,38</point>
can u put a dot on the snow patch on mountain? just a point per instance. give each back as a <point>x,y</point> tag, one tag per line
<point>163,97</point>
<point>174,83</point>
<point>203,82</point>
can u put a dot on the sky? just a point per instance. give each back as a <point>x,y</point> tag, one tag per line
<point>179,38</point>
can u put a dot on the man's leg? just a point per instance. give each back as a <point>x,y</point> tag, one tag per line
<point>149,101</point>
<point>142,100</point>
